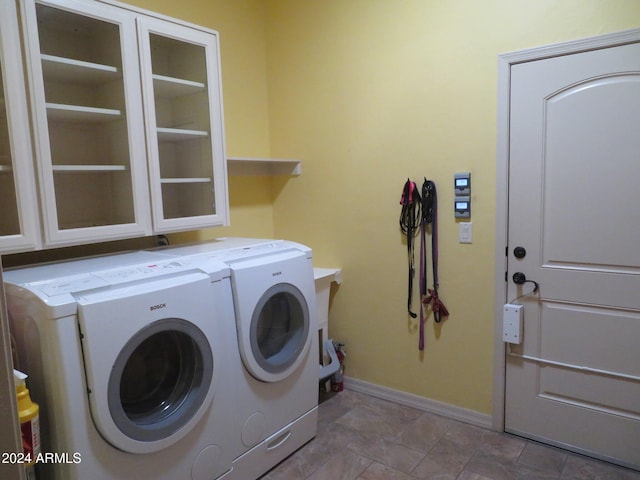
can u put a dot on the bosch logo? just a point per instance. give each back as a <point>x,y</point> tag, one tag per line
<point>157,307</point>
<point>275,274</point>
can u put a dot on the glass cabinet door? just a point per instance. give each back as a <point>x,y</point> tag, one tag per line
<point>183,114</point>
<point>18,208</point>
<point>84,74</point>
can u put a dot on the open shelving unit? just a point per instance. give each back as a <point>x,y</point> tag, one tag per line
<point>263,166</point>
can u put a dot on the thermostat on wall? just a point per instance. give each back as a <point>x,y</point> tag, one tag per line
<point>462,207</point>
<point>462,183</point>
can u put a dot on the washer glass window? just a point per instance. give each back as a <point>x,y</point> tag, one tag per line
<point>279,327</point>
<point>160,379</point>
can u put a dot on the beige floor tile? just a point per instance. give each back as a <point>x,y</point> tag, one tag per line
<point>366,438</point>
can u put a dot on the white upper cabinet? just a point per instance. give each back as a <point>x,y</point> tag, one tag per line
<point>87,119</point>
<point>183,113</point>
<point>18,223</point>
<point>127,122</point>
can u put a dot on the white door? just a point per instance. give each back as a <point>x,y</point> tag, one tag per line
<point>574,206</point>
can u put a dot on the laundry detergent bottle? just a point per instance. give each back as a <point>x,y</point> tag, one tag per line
<point>29,415</point>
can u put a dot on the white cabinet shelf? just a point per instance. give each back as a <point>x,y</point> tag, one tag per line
<point>89,168</point>
<point>88,73</point>
<point>179,135</point>
<point>185,180</point>
<point>169,87</point>
<point>78,113</point>
<point>263,166</point>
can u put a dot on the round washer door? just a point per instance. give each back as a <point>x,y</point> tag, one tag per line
<point>160,380</point>
<point>149,360</point>
<point>278,333</point>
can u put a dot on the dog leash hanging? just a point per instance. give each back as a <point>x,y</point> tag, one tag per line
<point>409,221</point>
<point>430,203</point>
<point>425,219</point>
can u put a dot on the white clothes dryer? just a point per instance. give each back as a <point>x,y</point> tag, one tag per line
<point>127,361</point>
<point>274,302</point>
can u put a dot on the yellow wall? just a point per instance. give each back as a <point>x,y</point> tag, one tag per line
<point>368,93</point>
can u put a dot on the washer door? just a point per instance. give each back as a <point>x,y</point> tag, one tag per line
<point>149,360</point>
<point>160,379</point>
<point>279,332</point>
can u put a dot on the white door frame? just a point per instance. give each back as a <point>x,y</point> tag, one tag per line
<point>505,61</point>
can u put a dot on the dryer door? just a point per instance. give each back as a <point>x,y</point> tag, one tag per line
<point>279,330</point>
<point>148,360</point>
<point>274,305</point>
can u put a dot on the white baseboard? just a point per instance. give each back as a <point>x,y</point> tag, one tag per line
<point>421,403</point>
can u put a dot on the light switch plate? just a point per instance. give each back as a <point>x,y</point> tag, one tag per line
<point>465,232</point>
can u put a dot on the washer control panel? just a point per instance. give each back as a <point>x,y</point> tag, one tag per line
<point>111,277</point>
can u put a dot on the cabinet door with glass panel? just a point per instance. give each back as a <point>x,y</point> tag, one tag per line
<point>87,113</point>
<point>18,207</point>
<point>183,114</point>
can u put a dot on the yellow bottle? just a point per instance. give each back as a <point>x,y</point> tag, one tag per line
<point>29,415</point>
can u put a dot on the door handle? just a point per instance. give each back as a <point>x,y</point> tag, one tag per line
<point>520,278</point>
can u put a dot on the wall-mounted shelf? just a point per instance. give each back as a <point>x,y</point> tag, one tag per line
<point>263,166</point>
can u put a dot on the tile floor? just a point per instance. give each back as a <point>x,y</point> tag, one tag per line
<point>365,438</point>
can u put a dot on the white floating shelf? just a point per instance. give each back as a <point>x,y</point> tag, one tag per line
<point>263,166</point>
<point>169,87</point>
<point>66,69</point>
<point>186,180</point>
<point>76,113</point>
<point>89,168</point>
<point>180,135</point>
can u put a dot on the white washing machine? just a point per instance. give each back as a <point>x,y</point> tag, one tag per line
<point>126,357</point>
<point>274,301</point>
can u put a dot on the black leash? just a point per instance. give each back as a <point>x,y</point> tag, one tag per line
<point>422,211</point>
<point>409,221</point>
<point>425,220</point>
